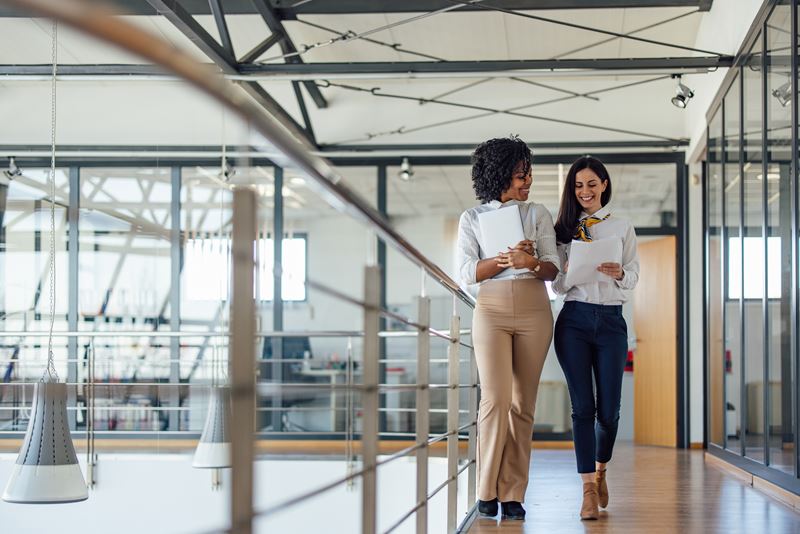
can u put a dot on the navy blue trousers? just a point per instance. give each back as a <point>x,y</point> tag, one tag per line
<point>591,343</point>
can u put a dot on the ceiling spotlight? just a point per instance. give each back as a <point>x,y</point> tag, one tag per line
<point>682,94</point>
<point>783,93</point>
<point>406,171</point>
<point>13,169</point>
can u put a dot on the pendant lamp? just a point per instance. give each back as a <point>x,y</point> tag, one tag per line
<point>47,470</point>
<point>214,449</point>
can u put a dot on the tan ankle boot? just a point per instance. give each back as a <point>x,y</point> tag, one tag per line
<point>602,488</point>
<point>589,506</point>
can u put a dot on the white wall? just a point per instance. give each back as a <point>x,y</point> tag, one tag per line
<point>162,493</point>
<point>722,30</point>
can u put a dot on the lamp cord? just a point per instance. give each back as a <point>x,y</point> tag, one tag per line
<point>50,371</point>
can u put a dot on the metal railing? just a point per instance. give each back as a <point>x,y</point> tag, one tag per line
<point>85,16</point>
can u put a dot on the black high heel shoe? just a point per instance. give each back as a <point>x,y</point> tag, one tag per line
<point>487,508</point>
<point>513,510</point>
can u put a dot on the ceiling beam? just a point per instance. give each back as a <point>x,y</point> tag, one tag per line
<point>273,22</point>
<point>222,26</point>
<point>400,69</point>
<point>440,68</point>
<point>260,48</point>
<point>446,147</point>
<point>330,7</point>
<point>341,7</point>
<point>225,60</point>
<point>185,22</point>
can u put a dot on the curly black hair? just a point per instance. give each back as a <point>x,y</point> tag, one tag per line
<point>493,164</point>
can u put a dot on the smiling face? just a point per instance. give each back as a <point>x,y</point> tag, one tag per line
<point>520,188</point>
<point>589,190</point>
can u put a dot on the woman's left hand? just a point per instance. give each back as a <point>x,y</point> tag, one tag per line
<point>614,270</point>
<point>516,259</point>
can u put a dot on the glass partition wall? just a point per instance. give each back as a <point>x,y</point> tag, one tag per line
<point>153,246</point>
<point>751,255</point>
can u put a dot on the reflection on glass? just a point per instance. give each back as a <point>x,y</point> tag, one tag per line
<point>25,285</point>
<point>716,364</point>
<point>733,321</point>
<point>124,284</point>
<point>753,262</point>
<point>779,222</point>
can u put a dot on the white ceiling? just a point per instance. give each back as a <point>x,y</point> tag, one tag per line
<point>164,112</point>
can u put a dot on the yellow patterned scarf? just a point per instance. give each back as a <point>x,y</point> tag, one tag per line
<point>582,233</point>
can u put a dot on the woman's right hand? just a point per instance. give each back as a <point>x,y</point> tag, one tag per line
<point>526,245</point>
<point>566,266</point>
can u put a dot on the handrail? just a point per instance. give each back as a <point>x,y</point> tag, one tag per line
<point>189,333</point>
<point>102,24</point>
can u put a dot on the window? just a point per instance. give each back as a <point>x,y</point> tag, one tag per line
<point>206,268</point>
<point>754,282</point>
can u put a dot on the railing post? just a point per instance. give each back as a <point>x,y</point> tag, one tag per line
<point>472,444</point>
<point>452,420</point>
<point>242,360</point>
<point>423,409</point>
<point>369,438</point>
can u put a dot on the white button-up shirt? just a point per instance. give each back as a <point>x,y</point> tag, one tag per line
<point>614,291</point>
<point>537,225</point>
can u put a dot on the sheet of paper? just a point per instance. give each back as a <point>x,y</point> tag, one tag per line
<point>500,229</point>
<point>585,257</point>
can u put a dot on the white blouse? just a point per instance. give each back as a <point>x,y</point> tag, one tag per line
<point>537,225</point>
<point>614,291</point>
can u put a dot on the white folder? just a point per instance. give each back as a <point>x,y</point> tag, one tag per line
<point>500,229</point>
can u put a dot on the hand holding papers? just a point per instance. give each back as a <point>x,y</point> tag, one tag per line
<point>501,229</point>
<point>585,257</point>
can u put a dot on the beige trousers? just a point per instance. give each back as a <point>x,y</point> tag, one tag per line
<point>511,331</point>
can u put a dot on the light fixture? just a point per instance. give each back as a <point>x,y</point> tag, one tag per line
<point>682,94</point>
<point>783,93</point>
<point>13,169</point>
<point>214,448</point>
<point>406,171</point>
<point>47,470</point>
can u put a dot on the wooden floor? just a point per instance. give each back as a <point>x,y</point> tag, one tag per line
<point>651,490</point>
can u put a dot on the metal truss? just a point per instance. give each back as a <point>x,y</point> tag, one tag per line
<point>290,10</point>
<point>223,56</point>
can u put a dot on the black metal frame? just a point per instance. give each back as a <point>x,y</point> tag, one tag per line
<point>680,230</point>
<point>757,35</point>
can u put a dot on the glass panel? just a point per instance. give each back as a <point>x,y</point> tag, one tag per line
<point>716,365</point>
<point>124,284</point>
<point>733,269</point>
<point>25,285</point>
<point>779,227</point>
<point>754,259</point>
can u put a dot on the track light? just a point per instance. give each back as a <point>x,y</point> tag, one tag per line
<point>13,169</point>
<point>682,94</point>
<point>406,171</point>
<point>783,93</point>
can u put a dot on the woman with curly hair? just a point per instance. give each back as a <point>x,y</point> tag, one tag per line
<point>512,325</point>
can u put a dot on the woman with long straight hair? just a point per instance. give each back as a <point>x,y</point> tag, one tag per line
<point>591,336</point>
<point>513,323</point>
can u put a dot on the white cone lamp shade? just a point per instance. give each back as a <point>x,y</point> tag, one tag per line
<point>47,469</point>
<point>214,449</point>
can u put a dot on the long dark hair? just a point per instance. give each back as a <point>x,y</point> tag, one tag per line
<point>570,209</point>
